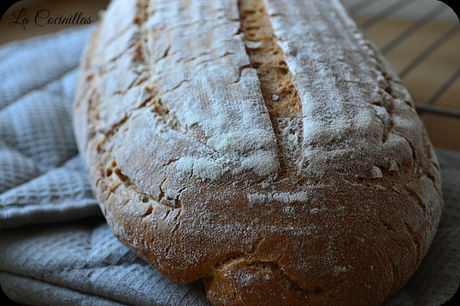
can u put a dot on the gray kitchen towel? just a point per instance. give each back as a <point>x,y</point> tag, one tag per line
<point>55,247</point>
<point>82,263</point>
<point>42,178</point>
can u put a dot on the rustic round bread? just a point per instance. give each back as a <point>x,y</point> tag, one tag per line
<point>263,146</point>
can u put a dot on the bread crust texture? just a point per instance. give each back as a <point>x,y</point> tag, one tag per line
<point>263,146</point>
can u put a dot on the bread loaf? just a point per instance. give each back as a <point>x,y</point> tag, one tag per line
<point>264,146</point>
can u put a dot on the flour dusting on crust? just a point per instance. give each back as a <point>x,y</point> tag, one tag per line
<point>264,146</point>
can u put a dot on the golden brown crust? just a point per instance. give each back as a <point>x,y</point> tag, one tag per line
<point>314,197</point>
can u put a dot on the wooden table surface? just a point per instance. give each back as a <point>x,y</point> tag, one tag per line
<point>422,82</point>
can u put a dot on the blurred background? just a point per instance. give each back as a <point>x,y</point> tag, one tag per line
<point>420,38</point>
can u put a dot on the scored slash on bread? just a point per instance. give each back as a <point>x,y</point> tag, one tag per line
<point>265,147</point>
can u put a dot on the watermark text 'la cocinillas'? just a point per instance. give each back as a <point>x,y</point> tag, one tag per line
<point>43,18</point>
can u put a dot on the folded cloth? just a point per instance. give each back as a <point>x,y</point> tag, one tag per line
<point>55,247</point>
<point>42,178</point>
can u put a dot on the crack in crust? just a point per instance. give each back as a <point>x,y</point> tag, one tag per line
<point>114,178</point>
<point>240,271</point>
